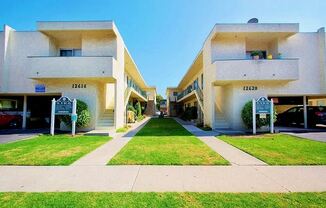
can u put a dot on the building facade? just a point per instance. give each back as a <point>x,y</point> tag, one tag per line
<point>86,60</point>
<point>224,75</point>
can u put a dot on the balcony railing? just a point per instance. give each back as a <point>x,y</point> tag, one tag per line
<point>71,66</point>
<point>133,85</point>
<point>234,70</point>
<point>187,91</point>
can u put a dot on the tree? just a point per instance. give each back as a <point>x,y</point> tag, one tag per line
<point>159,98</point>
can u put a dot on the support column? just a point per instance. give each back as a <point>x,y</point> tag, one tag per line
<point>24,112</point>
<point>305,114</point>
<point>213,106</point>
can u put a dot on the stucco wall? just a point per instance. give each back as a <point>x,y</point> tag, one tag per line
<point>1,57</point>
<point>91,95</point>
<point>228,48</point>
<point>95,45</point>
<point>21,45</point>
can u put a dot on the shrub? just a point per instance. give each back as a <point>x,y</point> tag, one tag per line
<point>189,113</point>
<point>131,108</point>
<point>138,109</point>
<point>246,115</point>
<point>256,53</point>
<point>83,114</point>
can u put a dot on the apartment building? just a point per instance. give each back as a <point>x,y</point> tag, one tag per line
<point>86,60</point>
<point>224,76</point>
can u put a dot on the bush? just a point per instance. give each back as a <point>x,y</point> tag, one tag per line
<point>131,108</point>
<point>189,113</point>
<point>138,109</point>
<point>83,118</point>
<point>246,115</point>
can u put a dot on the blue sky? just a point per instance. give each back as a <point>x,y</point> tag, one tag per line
<point>164,36</point>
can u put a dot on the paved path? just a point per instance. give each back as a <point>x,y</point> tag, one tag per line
<point>106,152</point>
<point>11,135</point>
<point>163,178</point>
<point>317,136</point>
<point>228,152</point>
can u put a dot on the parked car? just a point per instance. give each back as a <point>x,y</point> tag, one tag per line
<point>294,116</point>
<point>10,120</point>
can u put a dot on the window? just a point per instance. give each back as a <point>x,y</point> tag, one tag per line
<point>202,81</point>
<point>8,104</point>
<point>70,52</point>
<point>196,84</point>
<point>175,93</point>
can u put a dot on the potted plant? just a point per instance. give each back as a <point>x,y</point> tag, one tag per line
<point>279,55</point>
<point>256,55</point>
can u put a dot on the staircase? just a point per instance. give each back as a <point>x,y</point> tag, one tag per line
<point>200,98</point>
<point>105,120</point>
<point>150,108</point>
<point>220,121</point>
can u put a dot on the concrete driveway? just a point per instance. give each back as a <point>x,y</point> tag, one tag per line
<point>317,136</point>
<point>10,135</point>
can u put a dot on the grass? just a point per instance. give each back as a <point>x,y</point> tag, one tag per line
<point>122,129</point>
<point>280,149</point>
<point>49,150</point>
<point>166,142</point>
<point>143,200</point>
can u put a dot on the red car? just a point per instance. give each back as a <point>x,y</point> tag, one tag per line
<point>9,119</point>
<point>9,114</point>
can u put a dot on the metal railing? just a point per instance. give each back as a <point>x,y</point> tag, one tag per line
<point>133,85</point>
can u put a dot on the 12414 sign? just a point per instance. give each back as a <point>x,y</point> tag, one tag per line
<point>79,86</point>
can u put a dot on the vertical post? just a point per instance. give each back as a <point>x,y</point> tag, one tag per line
<point>52,117</point>
<point>253,116</point>
<point>74,116</point>
<point>272,116</point>
<point>24,112</point>
<point>305,114</point>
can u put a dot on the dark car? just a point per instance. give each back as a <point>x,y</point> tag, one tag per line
<point>294,116</point>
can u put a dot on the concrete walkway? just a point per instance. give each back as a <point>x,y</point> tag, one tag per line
<point>317,136</point>
<point>228,152</point>
<point>12,135</point>
<point>163,178</point>
<point>106,152</point>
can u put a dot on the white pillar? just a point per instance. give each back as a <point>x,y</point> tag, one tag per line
<point>24,112</point>
<point>253,116</point>
<point>305,114</point>
<point>272,116</point>
<point>213,97</point>
<point>74,115</point>
<point>52,117</point>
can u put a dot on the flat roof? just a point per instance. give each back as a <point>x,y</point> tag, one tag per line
<point>74,25</point>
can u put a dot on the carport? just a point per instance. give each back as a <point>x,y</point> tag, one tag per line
<point>34,109</point>
<point>283,103</point>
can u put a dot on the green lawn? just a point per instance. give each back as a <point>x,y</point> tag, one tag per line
<point>166,142</point>
<point>49,150</point>
<point>143,200</point>
<point>280,149</point>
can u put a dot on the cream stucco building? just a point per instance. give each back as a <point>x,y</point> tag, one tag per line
<point>223,76</point>
<point>86,60</point>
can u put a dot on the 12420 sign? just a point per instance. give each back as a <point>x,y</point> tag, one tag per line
<point>78,86</point>
<point>250,88</point>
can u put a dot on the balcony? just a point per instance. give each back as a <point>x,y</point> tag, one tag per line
<point>42,67</point>
<point>227,71</point>
<point>137,89</point>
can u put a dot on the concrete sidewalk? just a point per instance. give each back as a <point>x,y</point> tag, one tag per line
<point>228,152</point>
<point>163,178</point>
<point>103,154</point>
